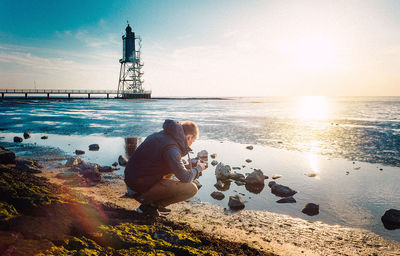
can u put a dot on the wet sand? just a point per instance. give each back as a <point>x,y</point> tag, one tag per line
<point>270,232</point>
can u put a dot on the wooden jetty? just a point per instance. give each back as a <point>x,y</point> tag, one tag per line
<point>70,93</point>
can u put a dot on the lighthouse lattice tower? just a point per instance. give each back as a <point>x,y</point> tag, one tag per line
<point>130,83</point>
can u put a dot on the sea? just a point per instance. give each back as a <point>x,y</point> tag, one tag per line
<point>342,153</point>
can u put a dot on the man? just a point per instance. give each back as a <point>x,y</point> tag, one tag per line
<point>151,167</point>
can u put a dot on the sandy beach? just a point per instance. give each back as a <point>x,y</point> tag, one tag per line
<point>266,231</point>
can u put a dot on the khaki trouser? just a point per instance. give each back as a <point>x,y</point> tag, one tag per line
<point>168,191</point>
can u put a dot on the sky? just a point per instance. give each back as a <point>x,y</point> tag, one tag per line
<point>206,48</point>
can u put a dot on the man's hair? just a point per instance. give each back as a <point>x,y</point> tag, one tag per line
<point>190,128</point>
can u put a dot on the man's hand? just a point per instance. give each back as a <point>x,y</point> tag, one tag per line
<point>203,166</point>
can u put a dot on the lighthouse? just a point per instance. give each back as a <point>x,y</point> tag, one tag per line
<point>130,85</point>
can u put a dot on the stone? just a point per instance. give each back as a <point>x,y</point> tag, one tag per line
<point>236,202</point>
<point>223,185</point>
<point>214,162</point>
<point>217,195</point>
<point>203,154</point>
<point>237,176</point>
<point>236,168</point>
<point>184,161</point>
<point>311,175</point>
<point>44,137</point>
<point>222,172</point>
<point>276,176</point>
<point>122,160</point>
<point>213,156</point>
<point>72,161</point>
<point>115,164</point>
<point>282,191</point>
<point>271,183</point>
<point>391,219</point>
<point>249,160</point>
<point>68,176</point>
<point>198,184</point>
<point>240,183</point>
<point>105,169</point>
<point>255,178</point>
<point>79,152</point>
<point>194,162</point>
<point>94,147</point>
<point>7,157</point>
<point>18,139</point>
<point>311,209</point>
<point>286,200</point>
<point>249,147</point>
<point>254,188</point>
<point>27,165</point>
<point>91,175</point>
<point>27,135</point>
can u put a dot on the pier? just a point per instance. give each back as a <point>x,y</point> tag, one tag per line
<point>71,93</point>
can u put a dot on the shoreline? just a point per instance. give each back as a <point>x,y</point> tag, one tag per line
<point>266,231</point>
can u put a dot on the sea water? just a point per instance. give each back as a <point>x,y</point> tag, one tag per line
<point>351,144</point>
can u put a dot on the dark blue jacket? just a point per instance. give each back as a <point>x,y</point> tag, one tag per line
<point>158,155</point>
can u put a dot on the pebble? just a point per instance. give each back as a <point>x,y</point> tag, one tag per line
<point>276,176</point>
<point>249,147</point>
<point>249,160</point>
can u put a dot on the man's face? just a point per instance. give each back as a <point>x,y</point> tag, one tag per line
<point>190,139</point>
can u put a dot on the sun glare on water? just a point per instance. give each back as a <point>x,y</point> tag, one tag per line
<point>312,107</point>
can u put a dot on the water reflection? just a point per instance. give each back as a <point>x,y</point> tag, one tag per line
<point>130,145</point>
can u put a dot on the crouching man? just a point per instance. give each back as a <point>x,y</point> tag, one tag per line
<point>150,168</point>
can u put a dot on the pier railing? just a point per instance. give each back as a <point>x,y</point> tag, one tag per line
<point>56,91</point>
<point>119,94</point>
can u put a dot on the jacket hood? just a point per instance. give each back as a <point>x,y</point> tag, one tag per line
<point>175,130</point>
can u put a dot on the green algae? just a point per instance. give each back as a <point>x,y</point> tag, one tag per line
<point>7,211</point>
<point>23,190</point>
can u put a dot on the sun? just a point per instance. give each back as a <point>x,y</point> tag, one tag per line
<point>312,107</point>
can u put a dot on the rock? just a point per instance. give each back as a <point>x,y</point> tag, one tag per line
<point>86,166</point>
<point>202,154</point>
<point>184,161</point>
<point>27,135</point>
<point>197,183</point>
<point>44,137</point>
<point>255,178</point>
<point>18,139</point>
<point>115,164</point>
<point>237,176</point>
<point>265,177</point>
<point>214,162</point>
<point>240,183</point>
<point>311,209</point>
<point>72,161</point>
<point>250,147</point>
<point>68,176</point>
<point>194,162</point>
<point>94,147</point>
<point>222,172</point>
<point>391,219</point>
<point>217,195</point>
<point>7,157</point>
<point>27,165</point>
<point>311,175</point>
<point>236,202</point>
<point>286,200</point>
<point>236,168</point>
<point>249,160</point>
<point>271,183</point>
<point>122,160</point>
<point>105,169</point>
<point>282,191</point>
<point>91,175</point>
<point>276,176</point>
<point>214,155</point>
<point>254,188</point>
<point>79,152</point>
<point>223,185</point>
